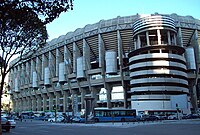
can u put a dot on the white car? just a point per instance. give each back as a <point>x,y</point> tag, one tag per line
<point>172,117</point>
<point>78,119</point>
<point>59,119</point>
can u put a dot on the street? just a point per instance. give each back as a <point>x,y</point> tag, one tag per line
<point>183,127</point>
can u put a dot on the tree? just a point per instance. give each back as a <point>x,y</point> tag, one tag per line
<point>23,29</point>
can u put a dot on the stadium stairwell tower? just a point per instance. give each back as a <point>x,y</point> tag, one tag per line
<point>157,64</point>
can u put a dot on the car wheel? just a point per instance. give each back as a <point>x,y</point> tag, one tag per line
<point>13,127</point>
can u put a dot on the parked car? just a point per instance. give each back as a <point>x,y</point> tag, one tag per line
<point>172,117</point>
<point>58,119</point>
<point>78,119</point>
<point>149,118</point>
<point>162,117</point>
<point>44,118</point>
<point>5,124</point>
<point>191,116</point>
<point>12,121</point>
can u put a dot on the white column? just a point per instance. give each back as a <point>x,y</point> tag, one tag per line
<point>168,38</point>
<point>135,44</point>
<point>147,37</point>
<point>138,42</point>
<point>159,37</point>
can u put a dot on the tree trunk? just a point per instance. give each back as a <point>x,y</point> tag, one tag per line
<point>1,92</point>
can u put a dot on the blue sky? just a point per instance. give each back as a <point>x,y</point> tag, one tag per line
<point>92,11</point>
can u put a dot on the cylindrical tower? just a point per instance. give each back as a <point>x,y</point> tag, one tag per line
<point>157,65</point>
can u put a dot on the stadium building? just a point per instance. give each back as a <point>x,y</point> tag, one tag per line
<point>144,62</point>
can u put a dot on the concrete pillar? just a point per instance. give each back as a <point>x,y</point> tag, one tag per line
<point>44,96</point>
<point>33,103</point>
<point>196,43</point>
<point>52,64</point>
<point>193,94</point>
<point>94,93</point>
<point>76,54</point>
<point>23,104</point>
<point>67,60</point>
<point>159,36</point>
<point>27,79</point>
<point>86,55</point>
<point>147,37</point>
<point>180,39</point>
<point>32,69</point>
<point>58,95</point>
<point>83,92</point>
<point>39,103</point>
<point>17,105</point>
<point>108,94</point>
<point>168,38</point>
<point>23,74</point>
<point>101,48</point>
<point>51,97</point>
<point>65,101</point>
<point>38,68</point>
<point>120,55</point>
<point>74,102</point>
<point>58,60</point>
<point>44,64</point>
<point>28,103</point>
<point>19,75</point>
<point>20,105</point>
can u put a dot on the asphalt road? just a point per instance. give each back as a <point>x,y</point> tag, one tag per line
<point>183,127</point>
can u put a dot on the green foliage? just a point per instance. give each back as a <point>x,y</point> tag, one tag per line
<point>23,25</point>
<point>23,29</point>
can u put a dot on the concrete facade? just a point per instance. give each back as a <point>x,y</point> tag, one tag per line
<point>119,62</point>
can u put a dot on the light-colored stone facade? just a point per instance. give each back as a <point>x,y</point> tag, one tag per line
<point>94,60</point>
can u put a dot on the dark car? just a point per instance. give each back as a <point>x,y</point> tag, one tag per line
<point>191,116</point>
<point>5,124</point>
<point>44,118</point>
<point>149,118</point>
